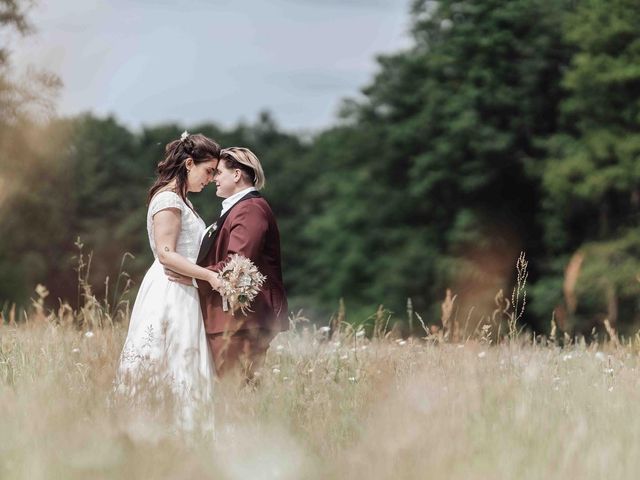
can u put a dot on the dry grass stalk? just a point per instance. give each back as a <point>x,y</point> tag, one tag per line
<point>518,295</point>
<point>381,322</point>
<point>613,335</point>
<point>446,318</point>
<point>339,319</point>
<point>554,330</point>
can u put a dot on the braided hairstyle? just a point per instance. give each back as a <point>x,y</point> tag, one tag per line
<point>174,166</point>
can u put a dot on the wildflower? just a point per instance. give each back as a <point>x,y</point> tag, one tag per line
<point>344,357</point>
<point>352,379</point>
<point>76,350</point>
<point>461,345</point>
<point>42,291</point>
<point>279,348</point>
<point>360,333</point>
<point>88,334</point>
<point>601,356</point>
<point>566,357</point>
<point>402,342</point>
<point>276,371</point>
<point>324,329</point>
<point>482,354</point>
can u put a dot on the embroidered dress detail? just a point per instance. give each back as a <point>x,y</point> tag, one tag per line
<point>166,337</point>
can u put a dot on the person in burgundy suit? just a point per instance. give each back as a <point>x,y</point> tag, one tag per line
<point>247,227</point>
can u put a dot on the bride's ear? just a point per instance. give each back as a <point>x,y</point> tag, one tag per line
<point>189,163</point>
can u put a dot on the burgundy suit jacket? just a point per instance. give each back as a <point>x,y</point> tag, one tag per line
<point>250,230</point>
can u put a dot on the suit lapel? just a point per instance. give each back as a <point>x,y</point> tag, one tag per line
<point>210,237</point>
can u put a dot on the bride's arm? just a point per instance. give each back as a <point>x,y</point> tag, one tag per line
<point>166,228</point>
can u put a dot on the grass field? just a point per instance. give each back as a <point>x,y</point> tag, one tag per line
<point>346,407</point>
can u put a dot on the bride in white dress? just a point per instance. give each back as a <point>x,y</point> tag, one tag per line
<point>166,348</point>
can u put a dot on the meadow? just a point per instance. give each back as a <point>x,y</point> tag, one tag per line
<point>357,404</point>
<point>487,134</point>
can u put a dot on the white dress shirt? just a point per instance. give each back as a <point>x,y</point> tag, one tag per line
<point>227,203</point>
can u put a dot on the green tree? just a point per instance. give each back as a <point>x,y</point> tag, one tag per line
<point>431,174</point>
<point>592,178</point>
<point>22,96</point>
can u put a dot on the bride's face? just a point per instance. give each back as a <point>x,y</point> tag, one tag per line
<point>200,175</point>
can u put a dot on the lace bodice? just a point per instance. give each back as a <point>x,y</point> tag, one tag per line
<point>191,229</point>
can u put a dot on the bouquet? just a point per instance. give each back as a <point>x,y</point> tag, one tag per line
<point>241,282</point>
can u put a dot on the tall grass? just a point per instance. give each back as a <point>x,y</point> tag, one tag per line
<point>332,403</point>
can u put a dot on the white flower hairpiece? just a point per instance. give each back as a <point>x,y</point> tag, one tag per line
<point>184,136</point>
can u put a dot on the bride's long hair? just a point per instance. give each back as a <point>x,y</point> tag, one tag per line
<point>196,147</point>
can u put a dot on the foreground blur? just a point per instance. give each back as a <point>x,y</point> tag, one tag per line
<point>341,407</point>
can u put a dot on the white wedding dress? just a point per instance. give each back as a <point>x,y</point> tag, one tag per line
<point>166,346</point>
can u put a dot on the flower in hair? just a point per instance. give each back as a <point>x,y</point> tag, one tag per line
<point>184,136</point>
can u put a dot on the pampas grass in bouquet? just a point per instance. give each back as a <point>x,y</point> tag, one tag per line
<point>241,282</point>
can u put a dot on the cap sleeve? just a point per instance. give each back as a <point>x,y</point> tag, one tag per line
<point>164,200</point>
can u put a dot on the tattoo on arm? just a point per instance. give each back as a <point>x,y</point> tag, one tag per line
<point>166,249</point>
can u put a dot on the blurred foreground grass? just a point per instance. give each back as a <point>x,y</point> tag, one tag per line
<point>346,407</point>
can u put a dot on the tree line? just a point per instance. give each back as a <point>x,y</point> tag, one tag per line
<point>507,126</point>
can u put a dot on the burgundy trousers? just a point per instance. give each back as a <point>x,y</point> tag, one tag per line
<point>242,352</point>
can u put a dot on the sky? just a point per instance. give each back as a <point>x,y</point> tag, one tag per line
<point>157,61</point>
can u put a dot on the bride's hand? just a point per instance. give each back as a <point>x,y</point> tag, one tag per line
<point>214,281</point>
<point>178,278</point>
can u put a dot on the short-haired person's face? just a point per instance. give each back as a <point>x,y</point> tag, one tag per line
<point>227,180</point>
<point>200,174</point>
